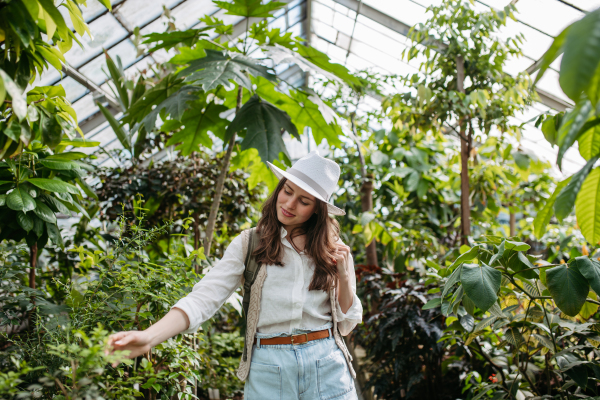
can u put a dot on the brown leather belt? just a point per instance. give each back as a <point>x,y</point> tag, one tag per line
<point>295,339</point>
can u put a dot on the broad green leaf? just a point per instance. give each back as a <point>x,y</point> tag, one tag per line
<point>25,221</point>
<point>321,60</point>
<point>168,40</point>
<point>221,68</point>
<point>52,131</point>
<point>153,96</point>
<point>44,212</point>
<point>302,111</point>
<point>468,256</point>
<point>590,269</point>
<point>589,142</point>
<point>516,246</point>
<point>89,191</point>
<point>571,365</point>
<point>69,155</point>
<point>198,120</point>
<point>484,323</point>
<point>468,304</point>
<point>467,322</point>
<point>259,172</point>
<point>54,185</point>
<point>571,128</point>
<point>57,204</point>
<point>582,55</point>
<point>452,280</point>
<point>250,8</point>
<point>116,127</point>
<point>59,165</point>
<point>174,105</point>
<point>589,309</point>
<point>514,337</point>
<point>19,103</point>
<point>481,284</point>
<point>549,129</point>
<point>499,253</point>
<point>433,303</point>
<point>263,123</point>
<point>587,207</point>
<point>566,198</point>
<point>555,50</point>
<point>106,3</point>
<point>542,219</point>
<point>79,142</point>
<point>54,234</point>
<point>20,200</point>
<point>568,288</point>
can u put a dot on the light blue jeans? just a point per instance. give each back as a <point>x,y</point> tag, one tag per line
<point>315,370</point>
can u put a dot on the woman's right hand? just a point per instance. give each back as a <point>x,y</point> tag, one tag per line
<point>137,342</point>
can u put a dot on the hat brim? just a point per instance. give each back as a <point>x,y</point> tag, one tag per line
<point>279,173</point>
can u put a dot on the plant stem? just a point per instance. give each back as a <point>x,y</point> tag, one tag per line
<point>555,348</point>
<point>214,208</point>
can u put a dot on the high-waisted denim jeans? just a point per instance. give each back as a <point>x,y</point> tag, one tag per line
<point>315,370</point>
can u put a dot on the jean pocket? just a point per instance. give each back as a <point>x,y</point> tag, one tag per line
<point>264,382</point>
<point>333,376</point>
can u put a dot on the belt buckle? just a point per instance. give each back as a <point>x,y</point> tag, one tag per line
<point>306,334</point>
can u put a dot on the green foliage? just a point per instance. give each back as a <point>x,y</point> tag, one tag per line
<point>264,124</point>
<point>579,74</point>
<point>516,297</point>
<point>219,68</point>
<point>250,8</point>
<point>175,190</point>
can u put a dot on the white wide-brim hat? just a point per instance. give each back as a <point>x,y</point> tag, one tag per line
<point>316,175</point>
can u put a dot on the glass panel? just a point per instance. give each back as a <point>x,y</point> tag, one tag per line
<point>378,40</point>
<point>106,31</point>
<point>194,10</point>
<point>548,16</point>
<point>403,10</point>
<point>342,23</point>
<point>93,70</point>
<point>322,13</point>
<point>73,89</point>
<point>85,107</point>
<point>92,10</point>
<point>535,44</point>
<point>587,5</point>
<point>139,12</point>
<point>324,31</point>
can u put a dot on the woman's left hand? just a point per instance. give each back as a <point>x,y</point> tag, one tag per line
<point>342,254</point>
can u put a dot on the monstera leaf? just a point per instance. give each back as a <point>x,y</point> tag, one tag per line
<point>221,68</point>
<point>264,123</point>
<point>198,120</point>
<point>249,8</point>
<point>174,105</point>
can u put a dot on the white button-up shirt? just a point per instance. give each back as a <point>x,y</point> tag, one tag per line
<point>286,303</point>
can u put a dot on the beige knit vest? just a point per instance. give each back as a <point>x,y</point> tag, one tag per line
<point>254,311</point>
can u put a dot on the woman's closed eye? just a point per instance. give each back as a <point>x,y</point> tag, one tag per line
<point>289,194</point>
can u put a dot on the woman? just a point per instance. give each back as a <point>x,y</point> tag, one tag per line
<point>300,302</point>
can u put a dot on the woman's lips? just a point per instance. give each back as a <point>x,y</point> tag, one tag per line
<point>286,213</point>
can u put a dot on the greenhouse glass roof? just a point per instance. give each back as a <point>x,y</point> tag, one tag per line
<point>358,34</point>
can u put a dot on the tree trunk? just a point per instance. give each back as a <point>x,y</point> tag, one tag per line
<point>513,224</point>
<point>196,227</point>
<point>366,193</point>
<point>33,256</point>
<point>465,149</point>
<point>214,209</point>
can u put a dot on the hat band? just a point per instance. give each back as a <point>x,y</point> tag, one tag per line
<point>308,180</point>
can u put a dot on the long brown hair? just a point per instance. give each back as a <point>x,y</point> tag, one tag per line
<point>321,232</point>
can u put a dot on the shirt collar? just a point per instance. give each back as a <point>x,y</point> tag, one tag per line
<point>283,232</point>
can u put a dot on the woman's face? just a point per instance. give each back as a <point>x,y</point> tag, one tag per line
<point>294,205</point>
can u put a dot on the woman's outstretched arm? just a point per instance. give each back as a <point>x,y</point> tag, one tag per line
<point>140,342</point>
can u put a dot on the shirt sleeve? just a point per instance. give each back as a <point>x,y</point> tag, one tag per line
<point>209,294</point>
<point>353,316</point>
